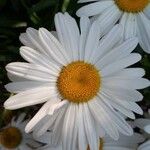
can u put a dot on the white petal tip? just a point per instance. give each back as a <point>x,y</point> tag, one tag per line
<point>29,29</point>
<point>147,129</point>
<point>130,132</point>
<point>27,129</point>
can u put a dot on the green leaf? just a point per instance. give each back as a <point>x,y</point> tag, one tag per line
<point>43,4</point>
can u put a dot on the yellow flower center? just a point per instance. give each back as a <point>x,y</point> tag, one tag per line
<point>101,145</point>
<point>78,82</point>
<point>10,137</point>
<point>133,6</point>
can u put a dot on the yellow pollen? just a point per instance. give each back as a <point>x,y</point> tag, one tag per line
<point>100,146</point>
<point>10,137</point>
<point>133,6</point>
<point>78,82</point>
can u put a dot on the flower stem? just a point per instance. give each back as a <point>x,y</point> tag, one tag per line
<point>65,5</point>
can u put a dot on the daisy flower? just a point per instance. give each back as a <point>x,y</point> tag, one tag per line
<point>82,81</point>
<point>144,124</point>
<point>14,137</point>
<point>134,15</point>
<point>105,143</point>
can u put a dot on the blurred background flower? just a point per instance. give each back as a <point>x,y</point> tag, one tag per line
<point>13,136</point>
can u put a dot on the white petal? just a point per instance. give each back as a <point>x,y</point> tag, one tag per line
<point>120,64</point>
<point>143,32</point>
<point>36,129</point>
<point>130,26</point>
<point>147,128</point>
<point>15,78</point>
<point>144,146</point>
<point>21,118</point>
<point>135,83</point>
<point>31,71</point>
<point>30,97</point>
<point>84,27</point>
<point>62,33</point>
<point>118,52</point>
<point>33,143</point>
<point>147,11</point>
<point>109,17</point>
<point>94,8</point>
<point>116,148</point>
<point>122,93</point>
<point>33,36</point>
<point>99,129</point>
<point>57,131</point>
<point>40,114</point>
<point>50,147</point>
<point>52,46</point>
<point>73,35</point>
<point>122,22</point>
<point>107,43</point>
<point>46,138</point>
<point>119,121</point>
<point>130,73</point>
<point>54,34</point>
<point>24,147</point>
<point>91,134</point>
<point>125,141</point>
<point>46,123</point>
<point>68,34</point>
<point>68,128</point>
<point>55,107</point>
<point>35,57</point>
<point>111,101</point>
<point>75,132</point>
<point>143,124</point>
<point>104,119</point>
<point>25,40</point>
<point>16,87</point>
<point>126,104</point>
<point>82,139</point>
<point>92,41</point>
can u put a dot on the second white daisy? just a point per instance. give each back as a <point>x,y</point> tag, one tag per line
<point>13,136</point>
<point>134,15</point>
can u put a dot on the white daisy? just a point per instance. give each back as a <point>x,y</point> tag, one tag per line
<point>106,143</point>
<point>82,79</point>
<point>134,15</point>
<point>14,137</point>
<point>144,124</point>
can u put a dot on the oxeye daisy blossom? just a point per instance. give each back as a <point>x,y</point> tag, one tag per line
<point>82,80</point>
<point>14,137</point>
<point>134,15</point>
